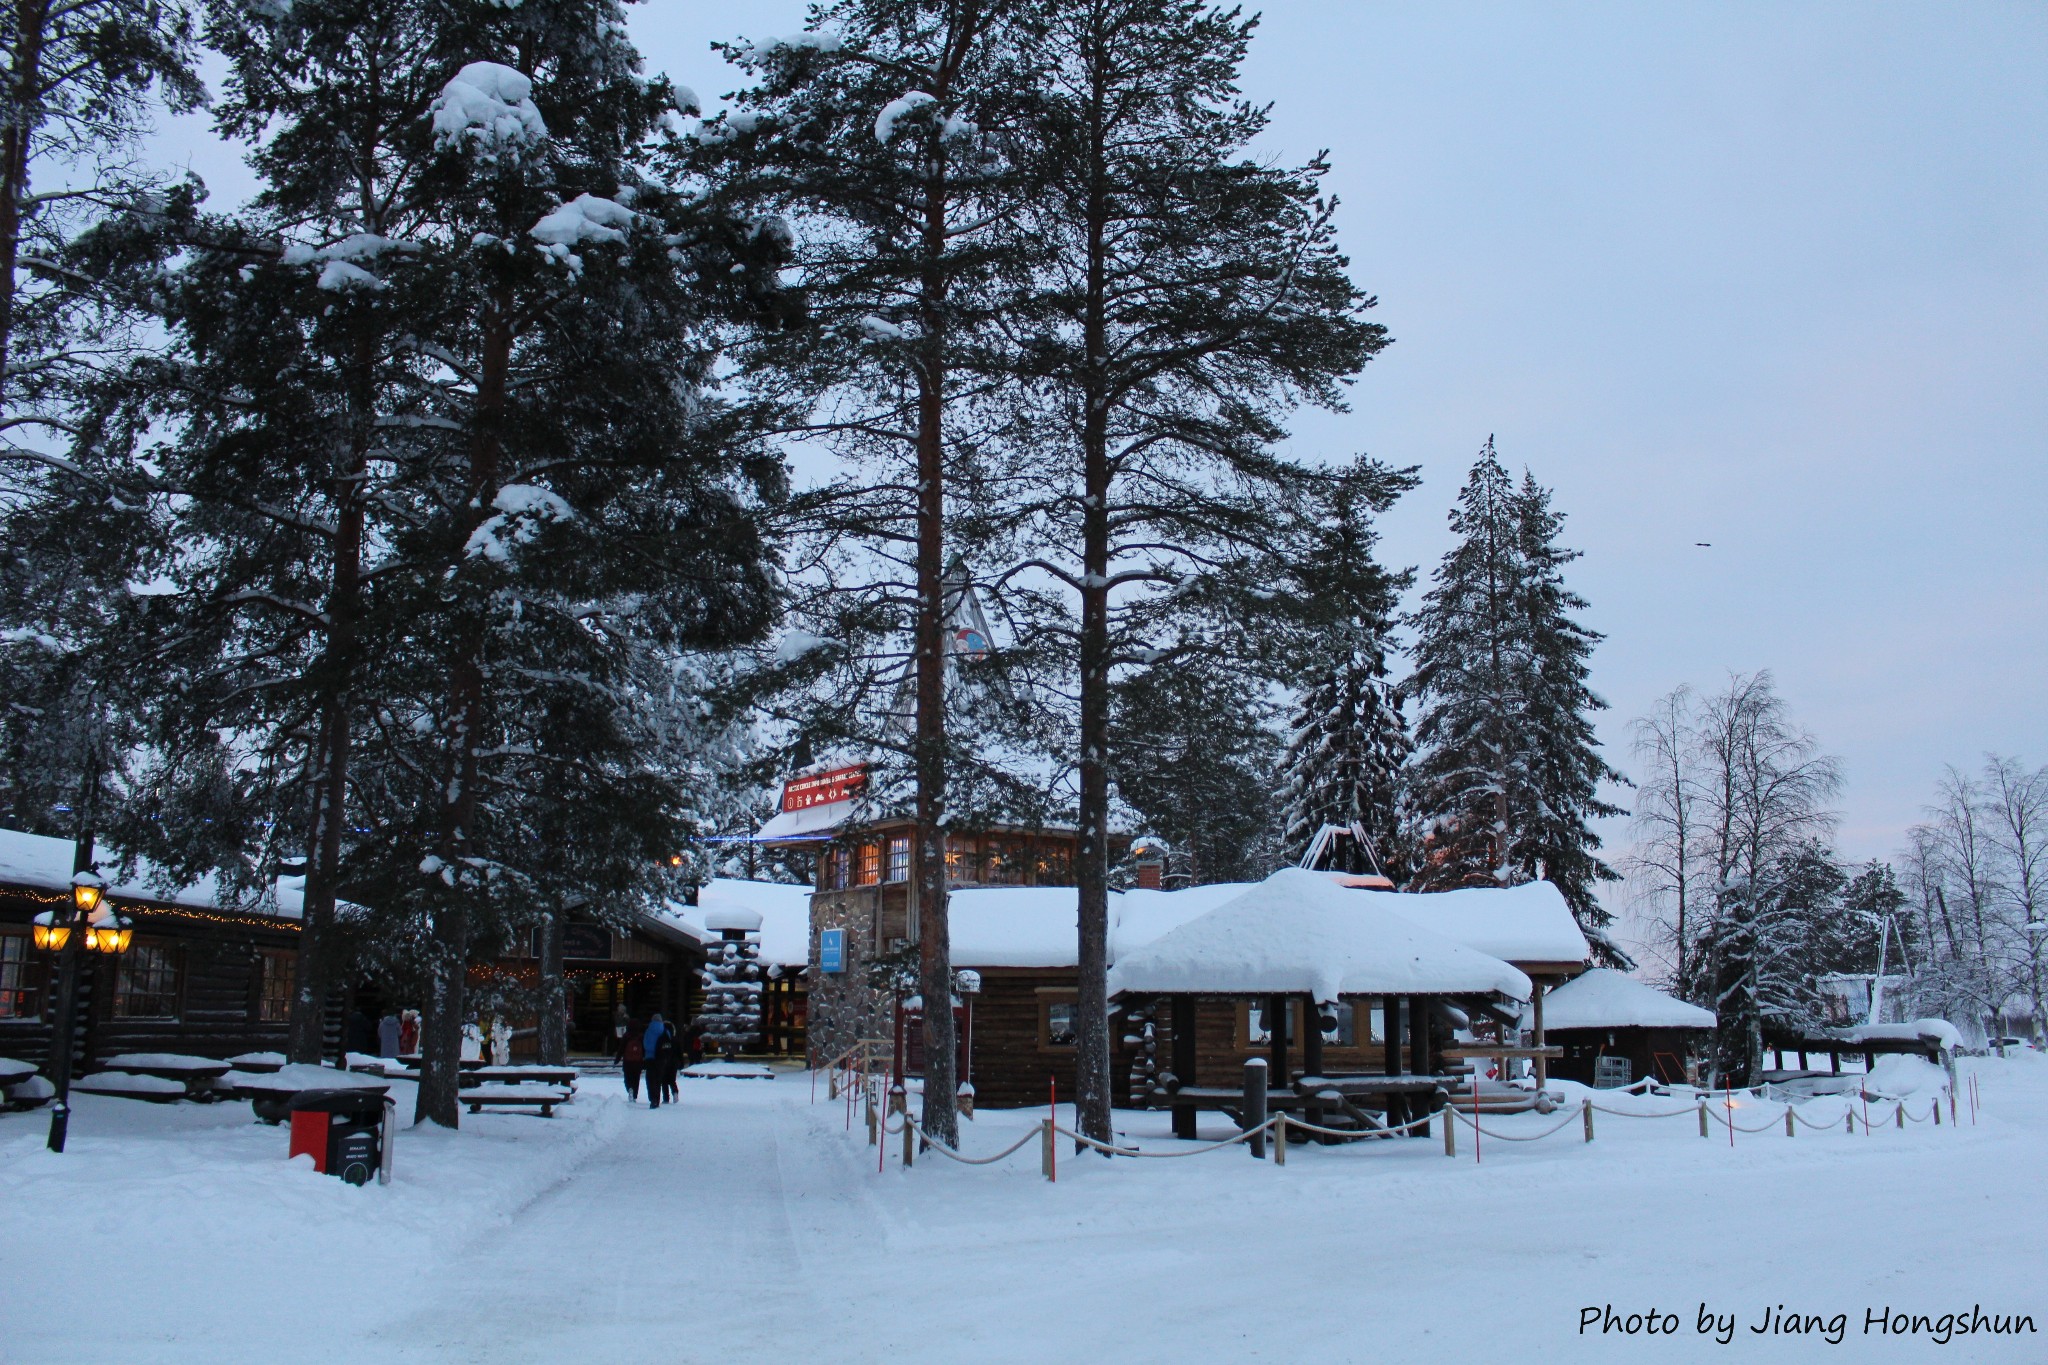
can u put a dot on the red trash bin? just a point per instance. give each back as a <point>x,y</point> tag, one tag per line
<point>309,1135</point>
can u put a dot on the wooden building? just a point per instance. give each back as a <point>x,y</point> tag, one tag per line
<point>198,977</point>
<point>1604,1014</point>
<point>863,915</point>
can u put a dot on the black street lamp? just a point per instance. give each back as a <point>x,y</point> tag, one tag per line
<point>88,926</point>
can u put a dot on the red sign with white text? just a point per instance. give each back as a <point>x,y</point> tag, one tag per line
<point>819,789</point>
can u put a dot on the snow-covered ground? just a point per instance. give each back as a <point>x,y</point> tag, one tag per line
<point>747,1218</point>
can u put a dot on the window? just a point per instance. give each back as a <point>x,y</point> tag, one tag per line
<point>1257,1031</point>
<point>960,862</point>
<point>147,987</point>
<point>870,864</point>
<point>277,969</point>
<point>838,865</point>
<point>1058,1014</point>
<point>899,857</point>
<point>20,978</point>
<point>1056,866</point>
<point>1253,1031</point>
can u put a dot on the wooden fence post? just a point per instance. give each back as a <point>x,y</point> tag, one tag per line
<point>1937,1111</point>
<point>1046,1157</point>
<point>1280,1140</point>
<point>1703,1116</point>
<point>1450,1133</point>
<point>1587,1110</point>
<point>1788,1122</point>
<point>909,1142</point>
<point>1255,1104</point>
<point>1902,1114</point>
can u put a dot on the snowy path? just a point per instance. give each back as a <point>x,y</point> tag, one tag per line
<point>748,1218</point>
<point>673,1243</point>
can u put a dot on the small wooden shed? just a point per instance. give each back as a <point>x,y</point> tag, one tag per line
<point>1602,1013</point>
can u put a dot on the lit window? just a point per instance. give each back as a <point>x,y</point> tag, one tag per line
<point>19,998</point>
<point>147,986</point>
<point>960,862</point>
<point>899,857</point>
<point>870,864</point>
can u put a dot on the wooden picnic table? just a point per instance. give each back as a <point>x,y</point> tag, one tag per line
<point>169,1066</point>
<point>519,1075</point>
<point>541,1097</point>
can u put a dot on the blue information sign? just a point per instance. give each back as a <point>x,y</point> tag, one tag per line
<point>831,950</point>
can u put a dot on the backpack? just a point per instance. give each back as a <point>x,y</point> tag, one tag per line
<point>635,1053</point>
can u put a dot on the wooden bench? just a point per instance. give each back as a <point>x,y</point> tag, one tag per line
<point>543,1098</point>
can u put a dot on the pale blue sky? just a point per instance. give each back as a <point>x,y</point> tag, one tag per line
<point>1774,277</point>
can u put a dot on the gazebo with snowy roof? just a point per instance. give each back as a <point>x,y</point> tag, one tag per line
<point>1603,1013</point>
<point>1299,955</point>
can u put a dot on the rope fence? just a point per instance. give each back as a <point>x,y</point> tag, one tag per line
<point>888,1116</point>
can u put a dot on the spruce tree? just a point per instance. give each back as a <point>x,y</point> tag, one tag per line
<point>1506,776</point>
<point>1348,739</point>
<point>1188,295</point>
<point>590,494</point>
<point>295,392</point>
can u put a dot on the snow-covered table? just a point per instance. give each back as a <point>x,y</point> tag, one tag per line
<point>728,1071</point>
<point>270,1094</point>
<point>131,1085</point>
<point>541,1097</point>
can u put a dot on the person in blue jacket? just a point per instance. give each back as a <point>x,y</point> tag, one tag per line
<point>660,1044</point>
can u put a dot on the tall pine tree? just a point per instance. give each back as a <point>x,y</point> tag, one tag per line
<point>1190,294</point>
<point>1506,776</point>
<point>888,132</point>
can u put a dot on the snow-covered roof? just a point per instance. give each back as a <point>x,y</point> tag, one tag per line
<point>1299,933</point>
<point>1949,1034</point>
<point>1527,923</point>
<point>1601,997</point>
<point>783,913</point>
<point>812,822</point>
<point>38,861</point>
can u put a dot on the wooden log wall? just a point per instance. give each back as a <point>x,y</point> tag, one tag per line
<point>219,983</point>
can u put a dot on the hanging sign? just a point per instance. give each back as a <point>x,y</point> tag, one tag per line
<point>820,789</point>
<point>831,950</point>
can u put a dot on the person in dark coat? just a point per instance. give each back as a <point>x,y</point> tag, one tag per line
<point>362,1031</point>
<point>660,1043</point>
<point>693,1042</point>
<point>387,1035</point>
<point>632,1055</point>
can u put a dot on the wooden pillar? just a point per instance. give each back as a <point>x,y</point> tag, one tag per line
<point>1391,1012</point>
<point>1184,1060</point>
<point>1418,1034</point>
<point>1276,1034</point>
<point>1536,1035</point>
<point>1311,1048</point>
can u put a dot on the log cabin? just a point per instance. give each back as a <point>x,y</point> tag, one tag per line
<point>203,975</point>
